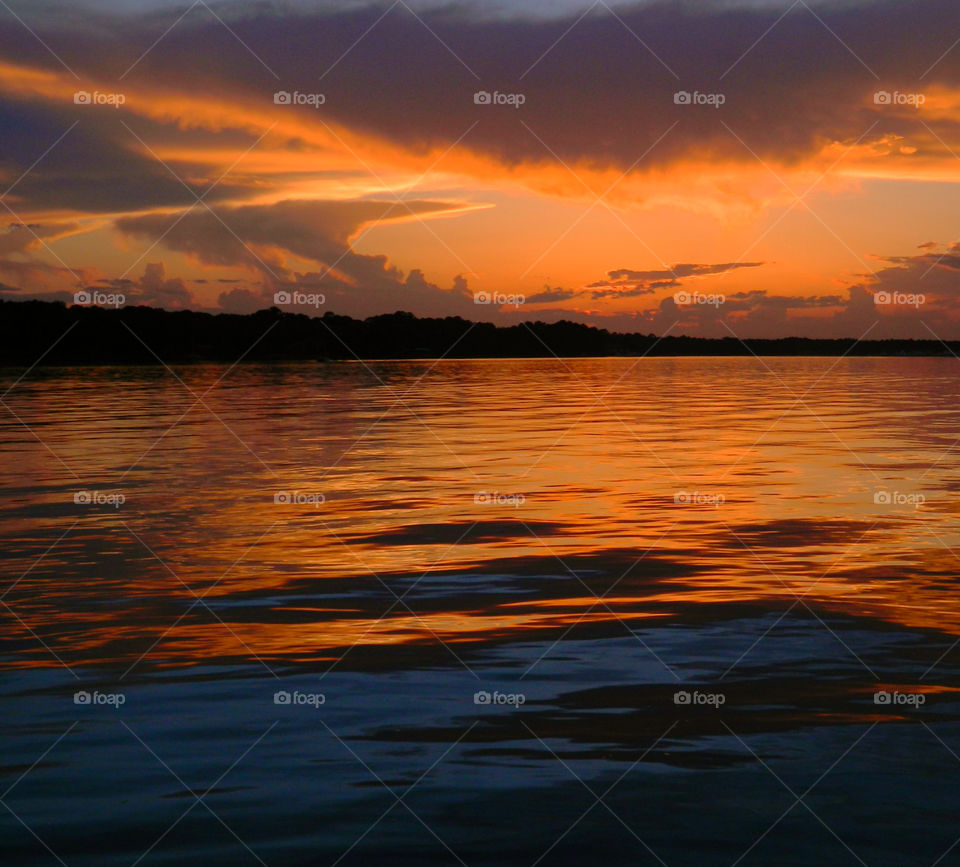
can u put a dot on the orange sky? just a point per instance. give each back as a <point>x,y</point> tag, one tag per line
<point>826,175</point>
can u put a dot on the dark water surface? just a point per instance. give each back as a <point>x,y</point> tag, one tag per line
<point>590,543</point>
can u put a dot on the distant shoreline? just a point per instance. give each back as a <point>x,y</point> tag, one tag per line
<point>52,334</point>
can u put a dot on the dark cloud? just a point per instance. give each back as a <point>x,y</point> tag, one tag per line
<point>594,93</point>
<point>95,165</point>
<point>625,275</point>
<point>548,295</point>
<point>20,245</point>
<point>11,293</point>
<point>245,300</point>
<point>626,283</point>
<point>919,295</point>
<point>914,296</point>
<point>156,290</point>
<point>262,237</point>
<point>153,289</point>
<point>629,291</point>
<point>318,231</point>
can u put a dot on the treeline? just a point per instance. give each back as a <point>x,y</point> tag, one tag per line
<point>142,335</point>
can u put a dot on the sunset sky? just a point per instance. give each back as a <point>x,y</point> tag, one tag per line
<point>814,167</point>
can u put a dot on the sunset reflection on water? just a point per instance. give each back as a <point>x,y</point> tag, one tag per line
<point>498,499</point>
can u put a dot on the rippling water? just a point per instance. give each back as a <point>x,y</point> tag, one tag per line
<point>677,611</point>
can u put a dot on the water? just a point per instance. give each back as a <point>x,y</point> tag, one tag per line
<point>582,540</point>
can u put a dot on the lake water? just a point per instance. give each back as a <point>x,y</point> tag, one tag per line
<point>656,611</point>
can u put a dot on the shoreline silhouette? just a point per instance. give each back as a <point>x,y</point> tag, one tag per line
<point>149,335</point>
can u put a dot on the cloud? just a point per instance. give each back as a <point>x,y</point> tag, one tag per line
<point>153,289</point>
<point>915,296</point>
<point>549,295</point>
<point>156,290</point>
<point>627,283</point>
<point>318,231</point>
<point>200,120</point>
<point>919,295</point>
<point>19,246</point>
<point>13,293</point>
<point>244,301</point>
<point>93,166</point>
<point>625,275</point>
<point>595,101</point>
<point>266,238</point>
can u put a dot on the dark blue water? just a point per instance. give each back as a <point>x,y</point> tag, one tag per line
<point>674,611</point>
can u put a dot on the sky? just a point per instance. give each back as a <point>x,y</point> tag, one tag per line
<point>753,169</point>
